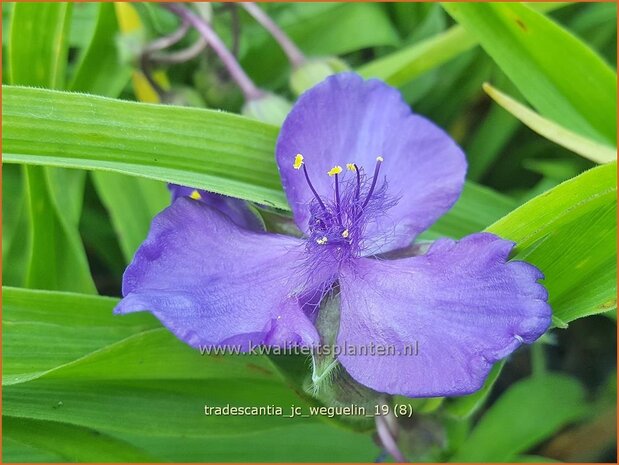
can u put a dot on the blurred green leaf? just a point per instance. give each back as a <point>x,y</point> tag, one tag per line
<point>487,143</point>
<point>88,343</point>
<point>101,70</point>
<point>17,452</point>
<point>311,26</point>
<point>526,414</point>
<point>67,443</point>
<point>82,324</point>
<point>570,233</point>
<point>402,66</point>
<point>310,442</point>
<point>15,236</point>
<point>82,22</point>
<point>93,365</point>
<point>57,258</point>
<point>558,74</point>
<point>593,150</point>
<point>42,59</point>
<point>207,149</point>
<point>465,406</point>
<point>239,162</point>
<point>132,203</point>
<point>74,374</point>
<point>596,23</point>
<point>476,208</point>
<point>534,459</point>
<point>99,404</point>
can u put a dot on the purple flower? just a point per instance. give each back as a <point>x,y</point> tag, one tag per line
<point>363,176</point>
<point>237,210</point>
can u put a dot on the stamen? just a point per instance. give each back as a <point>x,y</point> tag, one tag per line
<point>323,240</point>
<point>335,171</point>
<point>337,199</point>
<point>195,195</point>
<point>358,181</point>
<point>379,161</point>
<point>345,234</point>
<point>351,167</point>
<point>309,183</point>
<point>298,161</point>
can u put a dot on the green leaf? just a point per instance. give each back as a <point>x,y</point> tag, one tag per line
<point>99,404</point>
<point>526,414</point>
<point>293,443</point>
<point>82,324</point>
<point>75,375</point>
<point>132,204</point>
<point>41,60</point>
<point>570,233</point>
<point>477,207</point>
<point>594,151</point>
<point>69,360</point>
<point>489,140</point>
<point>88,341</point>
<point>15,237</point>
<point>240,164</point>
<point>311,26</point>
<point>57,258</point>
<point>101,70</point>
<point>68,443</point>
<point>402,66</point>
<point>16,452</point>
<point>465,406</point>
<point>207,149</point>
<point>558,74</point>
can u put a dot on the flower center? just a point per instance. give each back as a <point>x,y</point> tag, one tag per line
<point>338,221</point>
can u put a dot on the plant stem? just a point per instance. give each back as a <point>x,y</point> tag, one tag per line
<point>169,40</point>
<point>294,54</point>
<point>180,56</point>
<point>249,89</point>
<point>387,438</point>
<point>538,359</point>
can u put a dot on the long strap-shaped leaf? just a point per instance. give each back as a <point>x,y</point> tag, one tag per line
<point>56,258</point>
<point>564,79</point>
<point>208,149</point>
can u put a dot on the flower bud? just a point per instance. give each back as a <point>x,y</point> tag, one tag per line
<point>313,71</point>
<point>269,108</point>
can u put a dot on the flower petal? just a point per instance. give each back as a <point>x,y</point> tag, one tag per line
<point>461,305</point>
<point>236,209</point>
<point>213,283</point>
<point>344,120</point>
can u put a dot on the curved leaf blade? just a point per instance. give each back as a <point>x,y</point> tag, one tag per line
<point>593,150</point>
<point>216,151</point>
<point>570,233</point>
<point>558,74</point>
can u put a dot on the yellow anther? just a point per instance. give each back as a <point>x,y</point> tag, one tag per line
<point>195,195</point>
<point>380,159</point>
<point>322,240</point>
<point>345,233</point>
<point>351,167</point>
<point>335,170</point>
<point>298,161</point>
